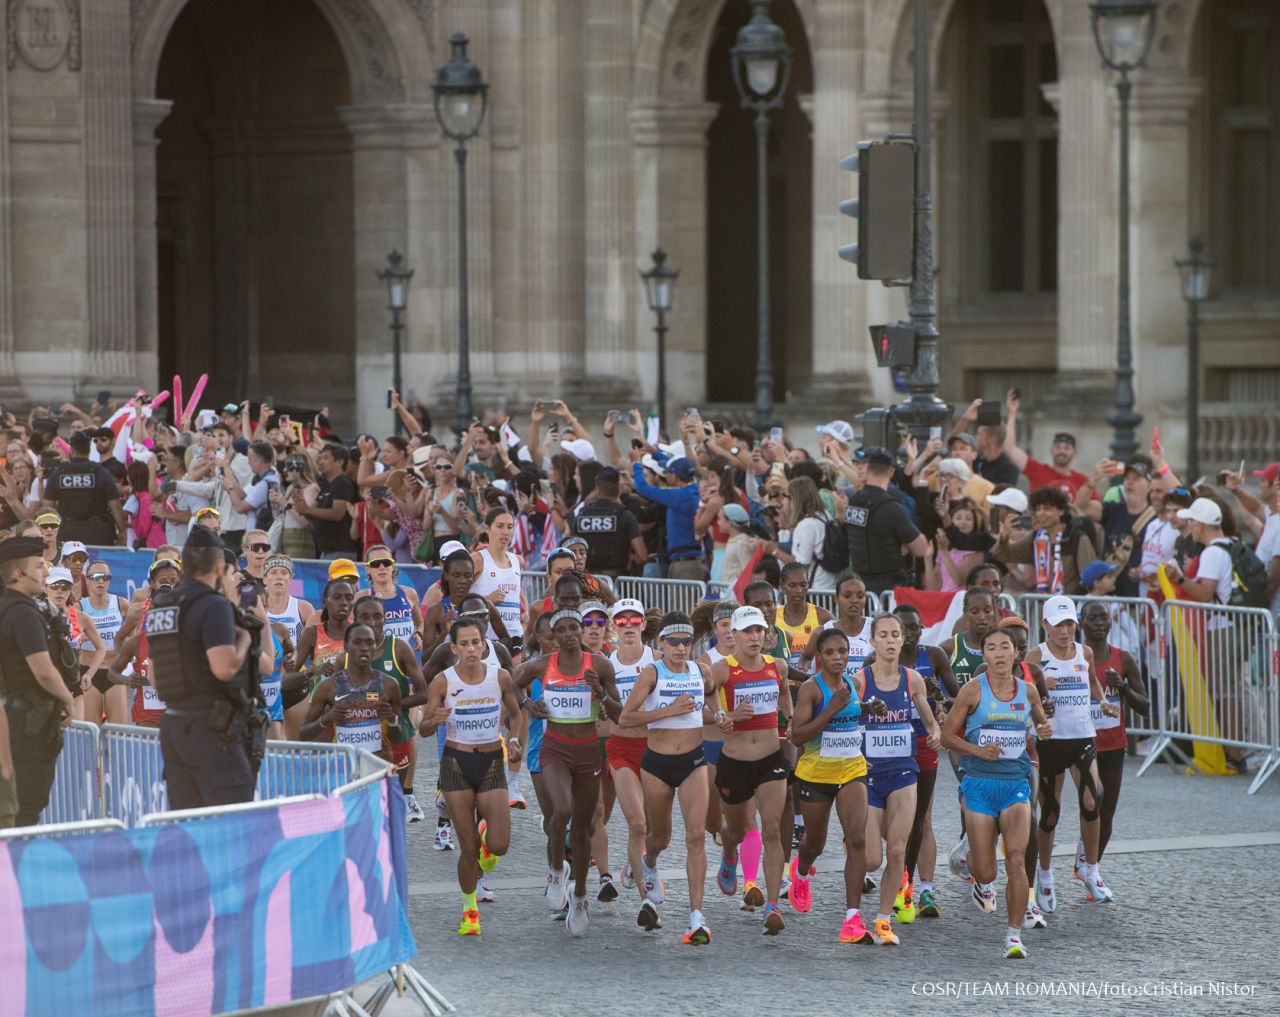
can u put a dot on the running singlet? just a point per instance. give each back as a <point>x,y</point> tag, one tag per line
<point>835,755</point>
<point>147,707</point>
<point>569,699</point>
<point>385,663</point>
<point>797,635</point>
<point>363,728</point>
<point>107,621</point>
<point>1004,722</point>
<point>78,640</point>
<point>271,683</point>
<point>759,688</point>
<point>290,618</point>
<point>1071,696</point>
<point>475,710</point>
<point>965,661</point>
<point>859,646</point>
<point>327,648</point>
<point>669,686</point>
<point>624,676</point>
<point>890,743</point>
<point>1110,730</point>
<point>400,619</point>
<point>925,667</point>
<point>491,577</point>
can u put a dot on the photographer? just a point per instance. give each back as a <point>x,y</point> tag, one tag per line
<point>202,669</point>
<point>36,694</point>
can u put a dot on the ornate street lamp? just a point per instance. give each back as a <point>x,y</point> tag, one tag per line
<point>659,285</point>
<point>396,277</point>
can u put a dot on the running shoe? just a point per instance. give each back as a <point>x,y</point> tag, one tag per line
<point>984,896</point>
<point>801,895</point>
<point>1045,897</point>
<point>700,936</point>
<point>773,923</point>
<point>904,906</point>
<point>1096,890</point>
<point>557,892</point>
<point>515,798</point>
<point>715,839</point>
<point>1077,867</point>
<point>868,884</point>
<point>1034,917</point>
<point>561,915</point>
<point>648,918</point>
<point>628,877</point>
<point>1013,948</point>
<point>470,923</point>
<point>727,874</point>
<point>416,815</point>
<point>957,860</point>
<point>654,888</point>
<point>444,838</point>
<point>483,894</point>
<point>752,897</point>
<point>928,905</point>
<point>853,931</point>
<point>784,892</point>
<point>608,891</point>
<point>797,835</point>
<point>576,922</point>
<point>488,861</point>
<point>883,933</point>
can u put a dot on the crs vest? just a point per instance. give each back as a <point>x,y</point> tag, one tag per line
<point>599,523</point>
<point>179,666</point>
<point>872,552</point>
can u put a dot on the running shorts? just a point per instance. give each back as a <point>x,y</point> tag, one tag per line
<point>1058,755</point>
<point>290,698</point>
<point>672,769</point>
<point>737,779</point>
<point>625,753</point>
<point>880,787</point>
<point>472,770</point>
<point>990,796</point>
<point>712,751</point>
<point>400,752</point>
<point>813,791</point>
<point>926,758</point>
<point>580,756</point>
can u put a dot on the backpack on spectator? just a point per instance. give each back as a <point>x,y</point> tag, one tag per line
<point>1248,577</point>
<point>835,549</point>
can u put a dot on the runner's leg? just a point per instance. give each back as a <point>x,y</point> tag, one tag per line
<point>771,799</point>
<point>631,800</point>
<point>693,810</point>
<point>1111,772</point>
<point>899,812</point>
<point>585,791</point>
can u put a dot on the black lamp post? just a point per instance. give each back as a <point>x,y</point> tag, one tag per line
<point>461,97</point>
<point>1123,31</point>
<point>397,277</point>
<point>659,283</point>
<point>1195,269</point>
<point>762,70</point>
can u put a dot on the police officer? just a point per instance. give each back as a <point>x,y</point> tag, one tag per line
<point>878,527</point>
<point>86,496</point>
<point>200,649</point>
<point>611,531</point>
<point>37,699</point>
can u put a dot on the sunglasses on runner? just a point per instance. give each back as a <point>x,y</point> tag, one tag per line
<point>260,548</point>
<point>78,558</point>
<point>98,577</point>
<point>62,584</point>
<point>595,621</point>
<point>679,640</point>
<point>631,621</point>
<point>49,526</point>
<point>380,563</point>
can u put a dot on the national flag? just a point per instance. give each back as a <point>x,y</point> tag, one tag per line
<point>744,580</point>
<point>939,611</point>
<point>1018,706</point>
<point>522,542</point>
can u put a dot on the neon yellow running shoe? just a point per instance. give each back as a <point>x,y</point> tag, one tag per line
<point>470,923</point>
<point>905,911</point>
<point>487,861</point>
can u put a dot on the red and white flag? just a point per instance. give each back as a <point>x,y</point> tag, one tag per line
<point>939,611</point>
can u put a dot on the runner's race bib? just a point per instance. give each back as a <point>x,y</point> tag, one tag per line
<point>837,744</point>
<point>763,696</point>
<point>361,736</point>
<point>1101,722</point>
<point>151,699</point>
<point>1012,743</point>
<point>625,683</point>
<point>271,692</point>
<point>568,702</point>
<point>891,741</point>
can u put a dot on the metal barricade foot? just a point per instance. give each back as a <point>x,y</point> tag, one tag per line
<point>432,1000</point>
<point>1157,750</point>
<point>1269,766</point>
<point>344,1005</point>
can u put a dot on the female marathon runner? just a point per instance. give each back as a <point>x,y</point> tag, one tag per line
<point>595,639</point>
<point>575,685</point>
<point>714,619</point>
<point>85,640</point>
<point>668,698</point>
<point>851,619</point>
<point>282,606</point>
<point>321,647</point>
<point>498,571</point>
<point>400,603</point>
<point>107,611</point>
<point>988,725</point>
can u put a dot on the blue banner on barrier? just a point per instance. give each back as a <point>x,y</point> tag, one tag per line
<point>207,915</point>
<point>129,572</point>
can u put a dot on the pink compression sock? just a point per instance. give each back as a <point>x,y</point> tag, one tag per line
<point>749,851</point>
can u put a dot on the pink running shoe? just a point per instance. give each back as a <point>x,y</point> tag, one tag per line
<point>853,931</point>
<point>801,895</point>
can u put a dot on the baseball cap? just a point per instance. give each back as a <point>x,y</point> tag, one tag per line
<point>1059,609</point>
<point>965,437</point>
<point>736,514</point>
<point>649,463</point>
<point>74,547</point>
<point>627,605</point>
<point>1065,437</point>
<point>450,547</point>
<point>343,568</point>
<point>1139,464</point>
<point>1010,498</point>
<point>1094,571</point>
<point>1202,510</point>
<point>58,574</point>
<point>230,408</point>
<point>747,618</point>
<point>1268,473</point>
<point>840,430</point>
<point>681,467</point>
<point>581,449</point>
<point>560,552</point>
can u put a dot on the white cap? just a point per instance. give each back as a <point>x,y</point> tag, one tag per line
<point>674,451</point>
<point>581,449</point>
<point>1059,609</point>
<point>1202,510</point>
<point>73,547</point>
<point>58,574</point>
<point>840,430</point>
<point>524,455</point>
<point>1011,498</point>
<point>747,618</point>
<point>626,605</point>
<point>649,463</point>
<point>451,547</point>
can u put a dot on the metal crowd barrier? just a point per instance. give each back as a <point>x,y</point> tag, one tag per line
<point>664,594</point>
<point>74,797</point>
<point>533,585</point>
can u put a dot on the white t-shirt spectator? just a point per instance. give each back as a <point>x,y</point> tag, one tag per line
<point>806,547</point>
<point>1269,548</point>
<point>1157,545</point>
<point>1215,564</point>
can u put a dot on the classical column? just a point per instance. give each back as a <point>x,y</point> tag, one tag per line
<point>108,168</point>
<point>8,372</point>
<point>669,149</point>
<point>147,116</point>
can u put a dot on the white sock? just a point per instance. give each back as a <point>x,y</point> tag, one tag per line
<point>695,919</point>
<point>513,780</point>
<point>882,918</point>
<point>850,913</point>
<point>1012,932</point>
<point>1090,871</point>
<point>1046,877</point>
<point>926,885</point>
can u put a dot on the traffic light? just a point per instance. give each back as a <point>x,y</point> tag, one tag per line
<point>878,428</point>
<point>895,344</point>
<point>883,208</point>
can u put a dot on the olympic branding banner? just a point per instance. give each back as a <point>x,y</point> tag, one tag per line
<point>206,916</point>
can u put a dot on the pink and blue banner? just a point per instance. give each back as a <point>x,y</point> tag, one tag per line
<point>206,916</point>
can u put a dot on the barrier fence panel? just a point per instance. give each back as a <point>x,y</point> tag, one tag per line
<point>74,796</point>
<point>295,768</point>
<point>664,594</point>
<point>132,773</point>
<point>533,585</point>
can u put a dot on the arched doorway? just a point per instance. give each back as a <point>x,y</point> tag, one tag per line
<point>255,205</point>
<point>731,220</point>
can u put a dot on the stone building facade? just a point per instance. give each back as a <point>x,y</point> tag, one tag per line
<point>211,185</point>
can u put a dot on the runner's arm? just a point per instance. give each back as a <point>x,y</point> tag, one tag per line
<point>784,688</point>
<point>633,714</point>
<point>1134,690</point>
<point>919,696</point>
<point>317,716</point>
<point>953,727</point>
<point>407,661</point>
<point>942,671</point>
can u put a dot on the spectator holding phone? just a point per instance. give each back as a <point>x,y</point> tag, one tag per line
<point>1057,472</point>
<point>991,462</point>
<point>1058,547</point>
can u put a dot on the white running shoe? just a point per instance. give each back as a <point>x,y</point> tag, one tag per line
<point>628,877</point>
<point>653,888</point>
<point>557,892</point>
<point>984,896</point>
<point>784,891</point>
<point>1045,896</point>
<point>1034,917</point>
<point>1096,890</point>
<point>483,894</point>
<point>444,838</point>
<point>416,815</point>
<point>576,922</point>
<point>1077,867</point>
<point>957,859</point>
<point>1013,948</point>
<point>442,810</point>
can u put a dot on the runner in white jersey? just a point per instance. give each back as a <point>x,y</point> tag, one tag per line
<point>1071,683</point>
<point>498,572</point>
<point>282,607</point>
<point>107,612</point>
<point>851,619</point>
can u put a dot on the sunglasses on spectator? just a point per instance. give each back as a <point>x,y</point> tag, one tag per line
<point>442,466</point>
<point>679,640</point>
<point>631,621</point>
<point>598,621</point>
<point>260,548</point>
<point>380,563</point>
<point>97,577</point>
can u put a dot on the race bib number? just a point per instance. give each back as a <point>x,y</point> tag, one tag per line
<point>151,699</point>
<point>625,683</point>
<point>763,696</point>
<point>1012,743</point>
<point>568,702</point>
<point>890,741</point>
<point>841,744</point>
<point>1074,695</point>
<point>271,693</point>
<point>475,724</point>
<point>1101,722</point>
<point>361,736</point>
